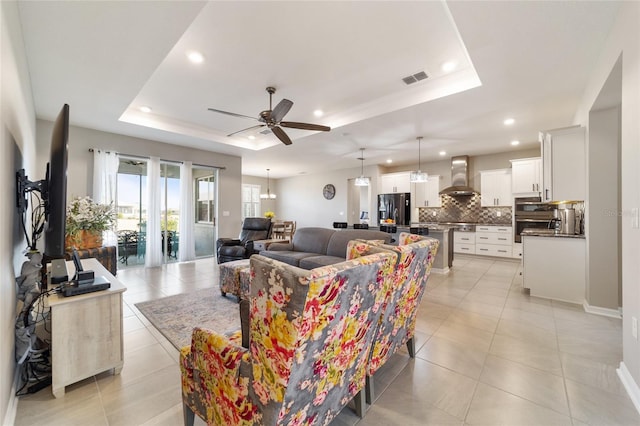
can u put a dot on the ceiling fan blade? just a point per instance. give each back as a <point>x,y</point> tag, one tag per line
<point>248,128</point>
<point>305,126</point>
<point>281,110</point>
<point>280,134</point>
<point>232,114</point>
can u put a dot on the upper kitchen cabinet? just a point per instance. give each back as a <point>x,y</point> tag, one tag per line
<point>563,164</point>
<point>526,176</point>
<point>427,193</point>
<point>495,188</point>
<point>391,183</point>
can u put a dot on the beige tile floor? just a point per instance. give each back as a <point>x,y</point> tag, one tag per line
<point>488,354</point>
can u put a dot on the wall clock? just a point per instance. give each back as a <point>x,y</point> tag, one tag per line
<point>329,191</point>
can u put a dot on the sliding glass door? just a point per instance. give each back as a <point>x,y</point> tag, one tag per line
<point>170,213</point>
<point>132,210</point>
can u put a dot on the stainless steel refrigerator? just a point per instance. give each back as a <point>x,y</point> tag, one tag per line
<point>396,207</point>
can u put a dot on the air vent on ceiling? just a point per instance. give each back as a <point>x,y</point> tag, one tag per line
<point>415,77</point>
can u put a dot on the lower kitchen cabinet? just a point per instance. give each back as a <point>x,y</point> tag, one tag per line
<point>554,267</point>
<point>464,242</point>
<point>494,240</point>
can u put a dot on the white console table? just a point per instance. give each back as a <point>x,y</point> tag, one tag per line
<point>86,331</point>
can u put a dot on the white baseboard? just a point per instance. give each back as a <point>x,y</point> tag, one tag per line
<point>12,405</point>
<point>630,385</point>
<point>613,313</point>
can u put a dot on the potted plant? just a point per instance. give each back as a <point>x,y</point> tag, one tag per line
<point>86,221</point>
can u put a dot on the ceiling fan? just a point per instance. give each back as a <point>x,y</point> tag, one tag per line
<point>272,118</point>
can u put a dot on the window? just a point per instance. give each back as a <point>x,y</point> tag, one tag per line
<point>250,200</point>
<point>205,199</point>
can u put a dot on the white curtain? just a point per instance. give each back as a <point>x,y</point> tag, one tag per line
<point>105,174</point>
<point>153,251</point>
<point>186,244</point>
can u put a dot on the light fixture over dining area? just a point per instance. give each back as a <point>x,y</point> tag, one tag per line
<point>362,180</point>
<point>268,195</point>
<point>419,176</point>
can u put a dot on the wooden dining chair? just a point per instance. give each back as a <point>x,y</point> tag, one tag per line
<point>277,231</point>
<point>289,229</point>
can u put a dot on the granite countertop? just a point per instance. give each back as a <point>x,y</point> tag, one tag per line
<point>448,225</point>
<point>552,235</point>
<point>433,226</point>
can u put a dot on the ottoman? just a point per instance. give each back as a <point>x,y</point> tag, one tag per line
<point>235,278</point>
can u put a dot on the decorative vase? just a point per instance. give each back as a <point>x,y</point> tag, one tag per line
<point>84,239</point>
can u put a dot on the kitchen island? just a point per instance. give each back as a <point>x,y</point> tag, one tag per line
<point>554,266</point>
<point>443,233</point>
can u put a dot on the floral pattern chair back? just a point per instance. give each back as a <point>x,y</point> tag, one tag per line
<point>408,284</point>
<point>311,334</point>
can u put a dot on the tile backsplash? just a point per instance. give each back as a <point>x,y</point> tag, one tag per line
<point>465,209</point>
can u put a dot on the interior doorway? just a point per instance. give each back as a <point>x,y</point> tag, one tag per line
<point>358,203</point>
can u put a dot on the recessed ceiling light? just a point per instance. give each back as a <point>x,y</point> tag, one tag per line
<point>318,113</point>
<point>389,161</point>
<point>514,143</point>
<point>509,121</point>
<point>251,137</point>
<point>449,66</point>
<point>443,153</point>
<point>195,57</point>
<point>145,108</point>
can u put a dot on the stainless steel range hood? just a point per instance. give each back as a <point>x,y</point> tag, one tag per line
<point>459,178</point>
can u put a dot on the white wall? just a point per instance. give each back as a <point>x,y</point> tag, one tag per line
<point>624,39</point>
<point>80,169</point>
<point>300,198</point>
<point>17,150</point>
<point>602,221</point>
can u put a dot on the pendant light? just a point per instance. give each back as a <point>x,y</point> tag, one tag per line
<point>362,180</point>
<point>419,176</point>
<point>268,194</point>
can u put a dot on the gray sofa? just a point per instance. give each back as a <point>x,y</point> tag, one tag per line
<point>315,247</point>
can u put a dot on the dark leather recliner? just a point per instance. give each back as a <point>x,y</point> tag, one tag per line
<point>253,229</point>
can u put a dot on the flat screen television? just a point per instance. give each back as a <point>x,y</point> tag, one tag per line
<point>56,198</point>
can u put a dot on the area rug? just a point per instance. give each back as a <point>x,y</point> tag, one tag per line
<point>175,316</point>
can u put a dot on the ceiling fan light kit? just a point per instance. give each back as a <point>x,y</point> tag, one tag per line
<point>362,180</point>
<point>272,119</point>
<point>419,176</point>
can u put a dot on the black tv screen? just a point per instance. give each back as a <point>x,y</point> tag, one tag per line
<point>56,198</point>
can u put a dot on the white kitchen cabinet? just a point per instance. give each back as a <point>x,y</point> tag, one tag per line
<point>427,194</point>
<point>464,242</point>
<point>554,267</point>
<point>526,176</point>
<point>391,183</point>
<point>563,164</point>
<point>493,240</point>
<point>495,188</point>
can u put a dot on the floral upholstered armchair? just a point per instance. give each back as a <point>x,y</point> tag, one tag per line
<point>408,284</point>
<point>310,338</point>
